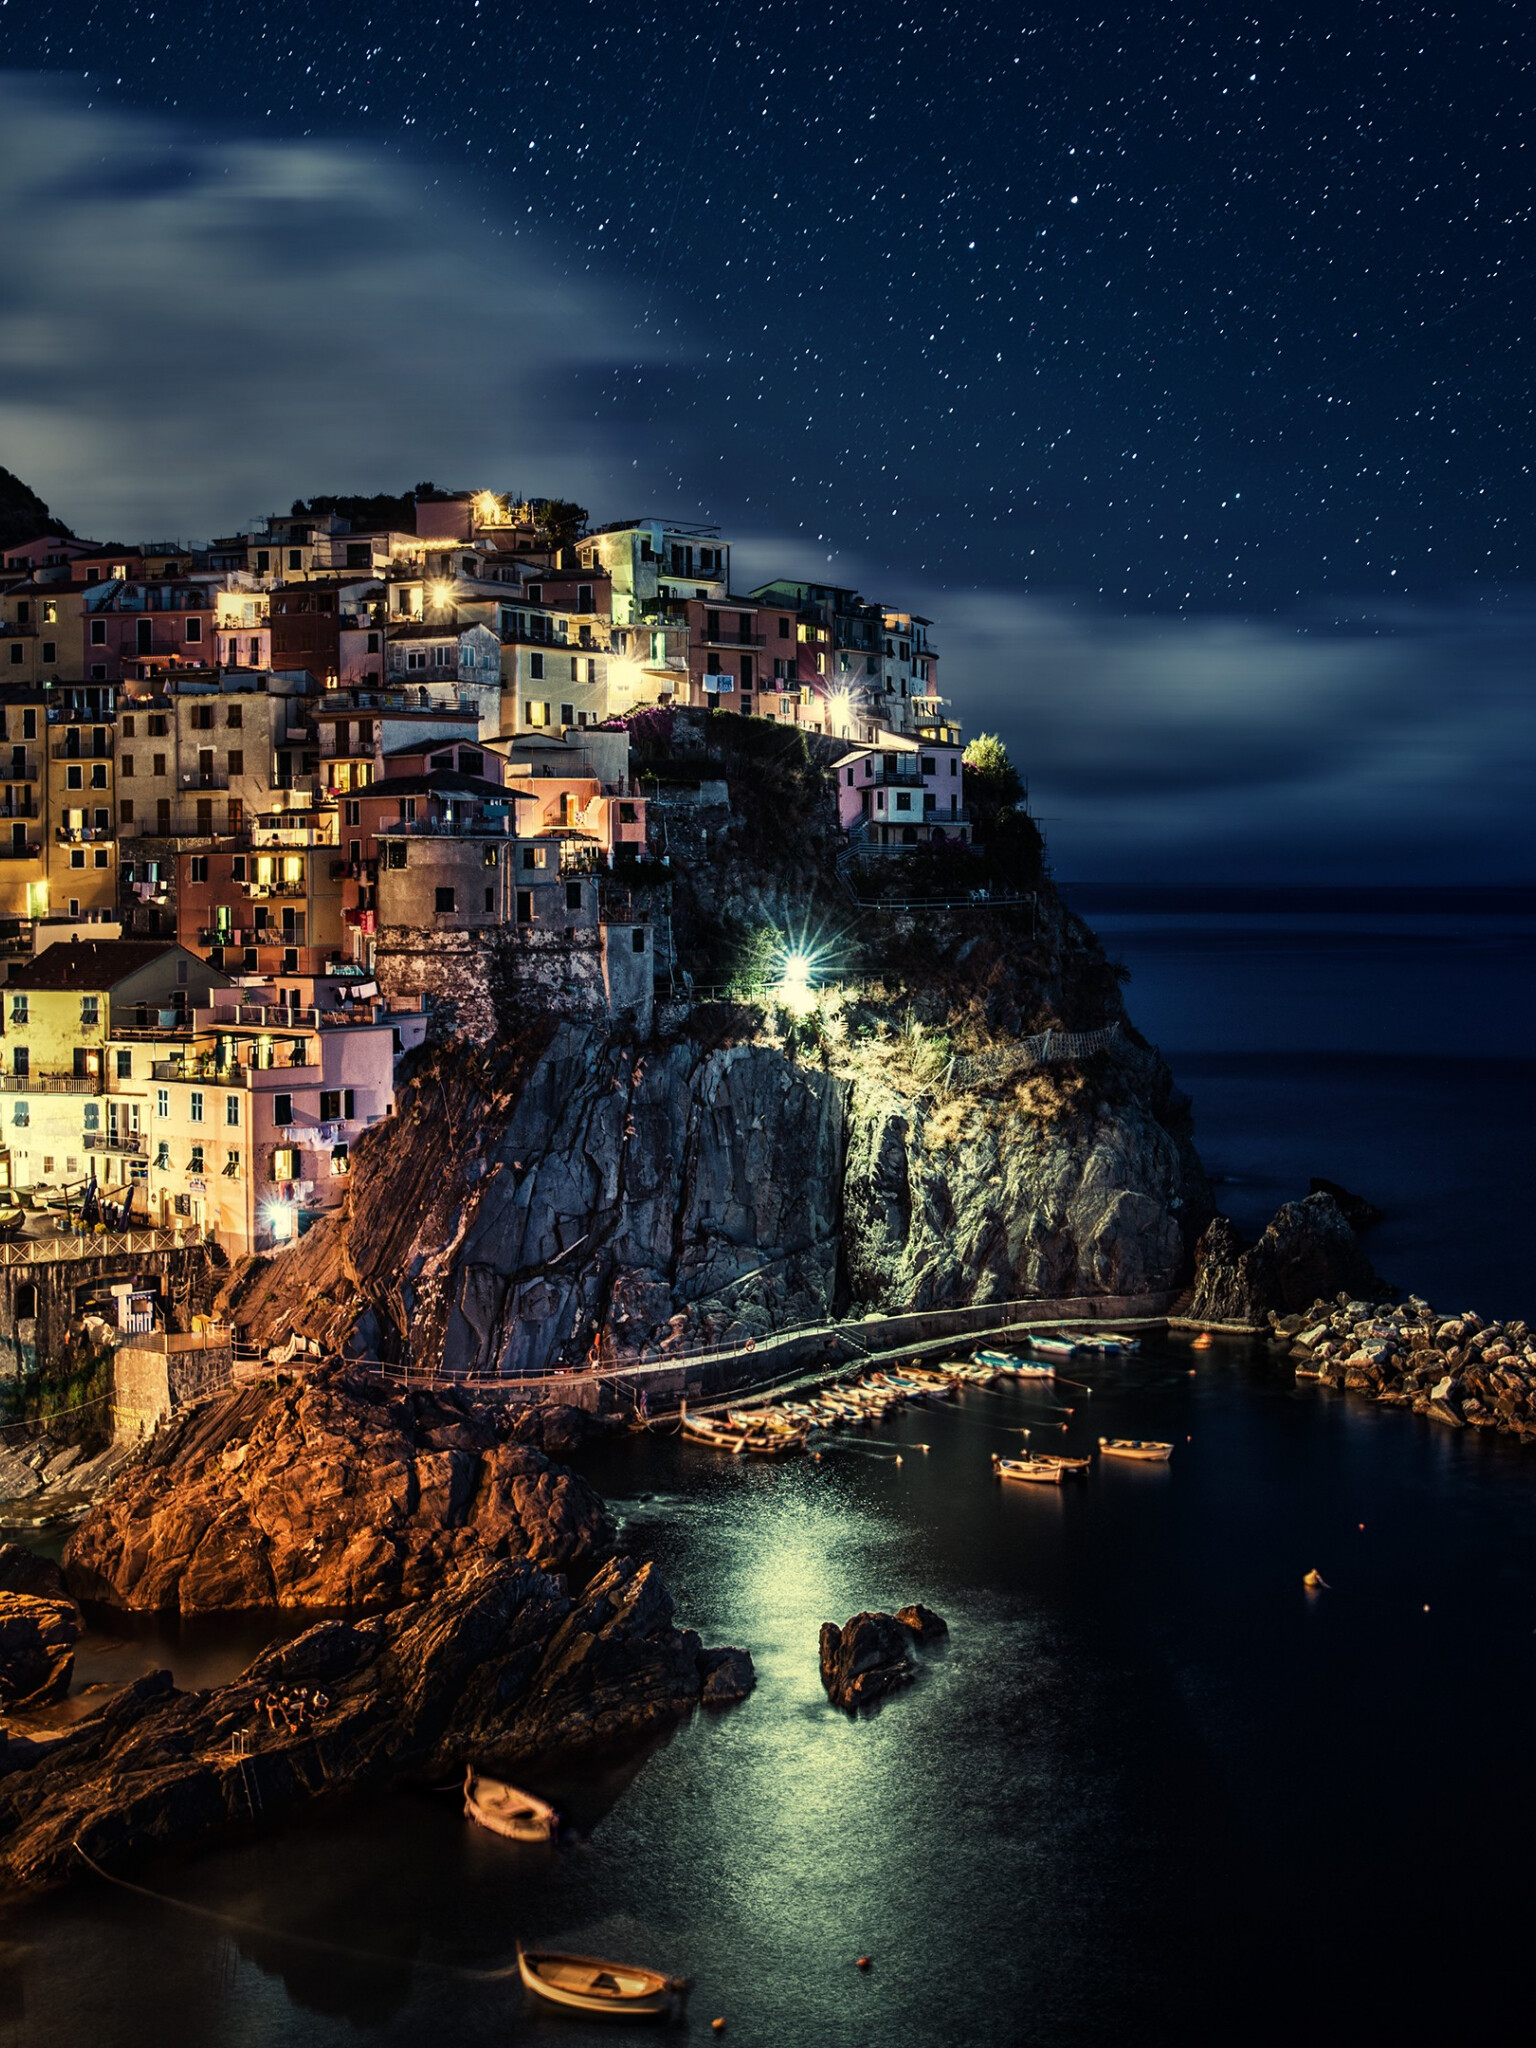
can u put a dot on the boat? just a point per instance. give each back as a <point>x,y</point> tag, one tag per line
<point>588,1984</point>
<point>938,1384</point>
<point>506,1811</point>
<point>1054,1347</point>
<point>741,1441</point>
<point>1073,1467</point>
<point>1314,1579</point>
<point>1020,1368</point>
<point>1108,1344</point>
<point>1041,1470</point>
<point>1135,1447</point>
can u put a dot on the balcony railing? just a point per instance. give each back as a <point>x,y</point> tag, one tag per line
<point>205,779</point>
<point>27,849</point>
<point>98,750</point>
<point>16,772</point>
<point>51,1084</point>
<point>78,835</point>
<point>131,1142</point>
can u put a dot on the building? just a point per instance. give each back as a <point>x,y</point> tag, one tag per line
<point>904,792</point>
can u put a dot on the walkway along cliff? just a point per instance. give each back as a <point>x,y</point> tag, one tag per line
<point>761,1157</point>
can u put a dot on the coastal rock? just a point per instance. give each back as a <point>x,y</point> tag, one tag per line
<point>1357,1212</point>
<point>503,1668</point>
<point>868,1657</point>
<point>24,1571</point>
<point>1306,1251</point>
<point>726,1676</point>
<point>335,1494</point>
<point>923,1624</point>
<point>37,1648</point>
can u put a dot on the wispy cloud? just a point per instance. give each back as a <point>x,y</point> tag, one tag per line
<point>195,329</point>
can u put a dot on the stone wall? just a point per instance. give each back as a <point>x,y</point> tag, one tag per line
<point>476,981</point>
<point>154,1376</point>
<point>56,1290</point>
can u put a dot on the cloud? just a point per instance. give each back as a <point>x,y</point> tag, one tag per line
<point>1228,748</point>
<point>198,329</point>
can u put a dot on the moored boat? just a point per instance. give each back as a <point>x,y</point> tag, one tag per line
<point>588,1984</point>
<point>1135,1447</point>
<point>1019,1368</point>
<point>1053,1347</point>
<point>1041,1470</point>
<point>505,1810</point>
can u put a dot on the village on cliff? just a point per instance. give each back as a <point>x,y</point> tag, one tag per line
<point>270,807</point>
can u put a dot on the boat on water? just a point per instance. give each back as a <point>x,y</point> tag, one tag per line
<point>1135,1447</point>
<point>967,1373</point>
<point>588,1984</point>
<point>938,1385</point>
<point>1043,1471</point>
<point>1019,1368</point>
<point>1054,1347</point>
<point>1108,1344</point>
<point>721,1434</point>
<point>490,1803</point>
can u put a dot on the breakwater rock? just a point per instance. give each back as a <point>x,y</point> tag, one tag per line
<point>871,1654</point>
<point>1309,1250</point>
<point>503,1668</point>
<point>336,1494</point>
<point>37,1648</point>
<point>1459,1369</point>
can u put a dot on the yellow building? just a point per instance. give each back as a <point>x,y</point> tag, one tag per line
<point>81,811</point>
<point>23,804</point>
<point>42,634</point>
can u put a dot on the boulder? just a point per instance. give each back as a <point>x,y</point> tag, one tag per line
<point>726,1676</point>
<point>37,1648</point>
<point>869,1656</point>
<point>24,1571</point>
<point>1307,1250</point>
<point>504,1668</point>
<point>1357,1212</point>
<point>336,1494</point>
<point>922,1623</point>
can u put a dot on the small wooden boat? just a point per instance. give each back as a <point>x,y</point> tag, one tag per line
<point>587,1984</point>
<point>937,1384</point>
<point>1054,1347</point>
<point>1019,1368</point>
<point>506,1811</point>
<point>1075,1468</point>
<point>1135,1447</point>
<point>1042,1470</point>
<point>1107,1344</point>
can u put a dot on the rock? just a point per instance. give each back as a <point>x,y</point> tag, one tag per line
<point>502,1668</point>
<point>726,1675</point>
<point>922,1623</point>
<point>863,1660</point>
<point>37,1648</point>
<point>556,1428</point>
<point>58,1465</point>
<point>1307,1250</point>
<point>23,1571</point>
<point>1357,1212</point>
<point>333,1494</point>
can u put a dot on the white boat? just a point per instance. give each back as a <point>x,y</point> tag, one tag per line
<point>1054,1347</point>
<point>505,1810</point>
<point>1019,1368</point>
<point>1135,1447</point>
<point>1108,1344</point>
<point>587,1984</point>
<point>1041,1470</point>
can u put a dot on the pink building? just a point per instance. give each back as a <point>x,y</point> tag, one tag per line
<point>904,792</point>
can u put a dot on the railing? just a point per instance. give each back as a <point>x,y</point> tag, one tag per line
<point>116,1141</point>
<point>77,835</point>
<point>98,751</point>
<point>51,1084</point>
<point>208,780</point>
<point>15,774</point>
<point>107,1244</point>
<point>26,849</point>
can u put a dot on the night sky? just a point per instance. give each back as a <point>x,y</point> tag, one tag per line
<point>1177,360</point>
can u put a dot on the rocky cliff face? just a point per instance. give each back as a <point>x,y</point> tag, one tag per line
<point>742,1170</point>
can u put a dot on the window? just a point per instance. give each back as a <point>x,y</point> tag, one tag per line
<point>125,765</point>
<point>530,856</point>
<point>567,714</point>
<point>443,899</point>
<point>202,718</point>
<point>232,1165</point>
<point>162,1155</point>
<point>197,867</point>
<point>21,1116</point>
<point>162,1102</point>
<point>263,558</point>
<point>525,906</point>
<point>74,777</point>
<point>471,761</point>
<point>26,1293</point>
<point>285,1163</point>
<point>100,858</point>
<point>21,1062</point>
<point>90,1012</point>
<point>50,650</point>
<point>236,761</point>
<point>536,714</point>
<point>76,860</point>
<point>237,867</point>
<point>536,668</point>
<point>98,775</point>
<point>359,554</point>
<point>195,1162</point>
<point>124,1066</point>
<point>98,632</point>
<point>336,1105</point>
<point>195,1106</point>
<point>295,558</point>
<point>282,1111</point>
<point>18,654</point>
<point>125,811</point>
<point>490,900</point>
<point>157,764</point>
<point>232,1111</point>
<point>19,1013</point>
<point>340,1162</point>
<point>394,853</point>
<point>637,940</point>
<point>194,628</point>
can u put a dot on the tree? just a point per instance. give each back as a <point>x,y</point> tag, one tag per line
<point>992,783</point>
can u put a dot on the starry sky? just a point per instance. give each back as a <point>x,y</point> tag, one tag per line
<point>1176,359</point>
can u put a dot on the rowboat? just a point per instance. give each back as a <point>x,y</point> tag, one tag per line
<point>1042,1470</point>
<point>1134,1447</point>
<point>1054,1347</point>
<point>507,1811</point>
<point>741,1441</point>
<point>1020,1368</point>
<point>1108,1345</point>
<point>587,1984</point>
<point>937,1384</point>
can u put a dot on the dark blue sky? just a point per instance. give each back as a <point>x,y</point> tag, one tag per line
<point>1124,316</point>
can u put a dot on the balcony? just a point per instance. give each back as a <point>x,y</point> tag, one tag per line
<point>205,779</point>
<point>733,640</point>
<point>51,1084</point>
<point>98,750</point>
<point>281,934</point>
<point>20,810</point>
<point>17,771</point>
<point>81,835</point>
<point>132,1143</point>
<point>27,849</point>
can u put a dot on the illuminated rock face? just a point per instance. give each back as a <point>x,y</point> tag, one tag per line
<point>334,1495</point>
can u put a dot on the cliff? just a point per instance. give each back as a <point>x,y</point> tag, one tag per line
<point>743,1169</point>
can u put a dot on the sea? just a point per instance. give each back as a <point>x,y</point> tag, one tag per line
<point>1152,1789</point>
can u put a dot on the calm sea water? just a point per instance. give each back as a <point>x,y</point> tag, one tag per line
<point>1153,1790</point>
<point>1384,1039</point>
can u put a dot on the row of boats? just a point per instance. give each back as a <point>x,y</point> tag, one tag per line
<point>778,1429</point>
<point>1044,1468</point>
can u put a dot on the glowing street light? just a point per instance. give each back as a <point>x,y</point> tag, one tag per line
<point>840,705</point>
<point>796,992</point>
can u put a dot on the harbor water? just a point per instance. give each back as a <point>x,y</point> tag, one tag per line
<point>1152,1788</point>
